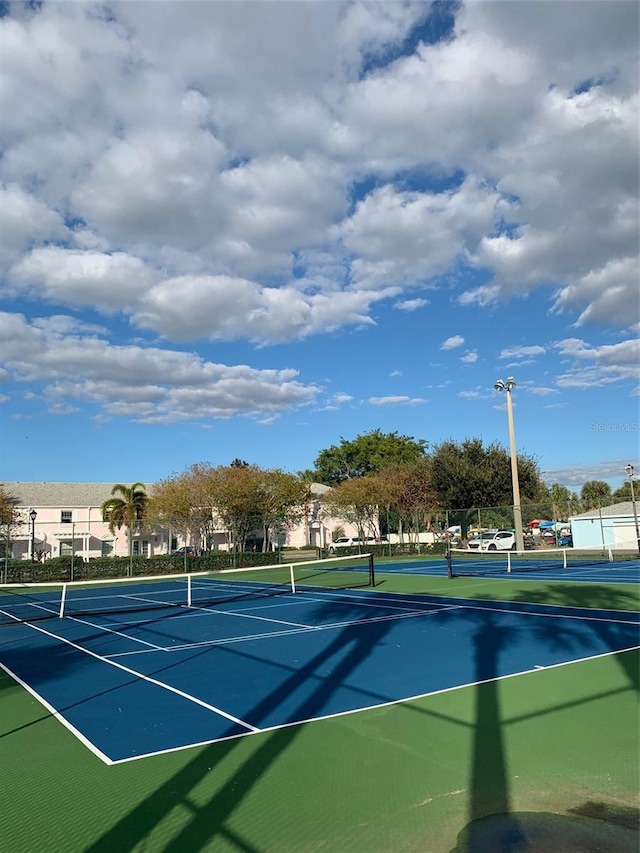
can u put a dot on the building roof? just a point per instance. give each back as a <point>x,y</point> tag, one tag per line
<point>621,510</point>
<point>68,495</point>
<point>64,495</point>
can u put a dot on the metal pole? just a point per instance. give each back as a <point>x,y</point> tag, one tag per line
<point>73,547</point>
<point>32,516</point>
<point>517,509</point>
<point>630,469</point>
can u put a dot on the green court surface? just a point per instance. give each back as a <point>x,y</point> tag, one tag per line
<point>546,758</point>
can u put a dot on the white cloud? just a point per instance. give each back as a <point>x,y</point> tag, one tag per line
<point>522,352</point>
<point>114,282</point>
<point>452,342</point>
<point>398,400</point>
<point>198,172</point>
<point>575,476</point>
<point>25,220</point>
<point>409,237</point>
<point>597,366</point>
<point>342,398</point>
<point>145,384</point>
<point>411,304</point>
<point>543,391</point>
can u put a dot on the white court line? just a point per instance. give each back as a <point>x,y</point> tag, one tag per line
<point>239,614</point>
<point>58,716</point>
<point>108,630</point>
<point>305,630</point>
<point>388,704</point>
<point>149,679</point>
<point>474,604</point>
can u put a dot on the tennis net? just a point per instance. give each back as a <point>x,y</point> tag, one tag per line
<point>36,601</point>
<point>463,563</point>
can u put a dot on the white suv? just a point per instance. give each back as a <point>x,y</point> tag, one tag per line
<point>493,540</point>
<point>351,542</point>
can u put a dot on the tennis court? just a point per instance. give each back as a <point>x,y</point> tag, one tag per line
<point>149,667</point>
<point>560,565</point>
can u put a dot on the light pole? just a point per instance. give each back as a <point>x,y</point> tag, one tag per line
<point>508,386</point>
<point>630,469</point>
<point>33,515</point>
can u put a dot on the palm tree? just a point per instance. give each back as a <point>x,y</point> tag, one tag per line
<point>126,508</point>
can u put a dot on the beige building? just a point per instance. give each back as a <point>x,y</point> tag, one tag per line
<point>64,518</point>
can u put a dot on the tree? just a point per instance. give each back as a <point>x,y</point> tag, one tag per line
<point>366,454</point>
<point>623,494</point>
<point>407,495</point>
<point>171,505</point>
<point>563,502</point>
<point>10,520</point>
<point>356,501</point>
<point>126,508</point>
<point>468,475</point>
<point>283,501</point>
<point>594,494</point>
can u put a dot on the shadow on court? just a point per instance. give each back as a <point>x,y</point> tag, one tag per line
<point>209,821</point>
<point>204,792</point>
<point>493,825</point>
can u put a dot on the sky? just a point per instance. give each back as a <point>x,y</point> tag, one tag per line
<point>251,230</point>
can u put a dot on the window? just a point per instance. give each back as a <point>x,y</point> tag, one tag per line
<point>66,547</point>
<point>140,548</point>
<point>66,516</point>
<point>107,549</point>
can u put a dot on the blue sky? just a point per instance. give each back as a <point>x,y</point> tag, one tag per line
<point>250,230</point>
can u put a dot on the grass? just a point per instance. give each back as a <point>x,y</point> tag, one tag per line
<point>559,744</point>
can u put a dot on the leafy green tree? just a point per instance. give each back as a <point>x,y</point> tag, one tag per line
<point>126,508</point>
<point>594,494</point>
<point>468,475</point>
<point>562,502</point>
<point>623,494</point>
<point>366,454</point>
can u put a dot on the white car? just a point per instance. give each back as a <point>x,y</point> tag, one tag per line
<point>493,540</point>
<point>351,542</point>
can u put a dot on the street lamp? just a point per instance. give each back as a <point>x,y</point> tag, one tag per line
<point>508,386</point>
<point>630,469</point>
<point>33,515</point>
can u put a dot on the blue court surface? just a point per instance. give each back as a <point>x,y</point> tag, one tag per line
<point>623,571</point>
<point>133,685</point>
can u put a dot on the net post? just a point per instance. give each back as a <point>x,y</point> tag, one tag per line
<point>508,562</point>
<point>372,571</point>
<point>449,560</point>
<point>63,596</point>
<point>610,553</point>
<point>293,581</point>
<point>564,558</point>
<point>189,592</point>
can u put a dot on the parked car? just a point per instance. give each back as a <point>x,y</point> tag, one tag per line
<point>351,542</point>
<point>493,540</point>
<point>188,551</point>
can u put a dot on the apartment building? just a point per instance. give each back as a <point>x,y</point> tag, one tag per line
<point>64,518</point>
